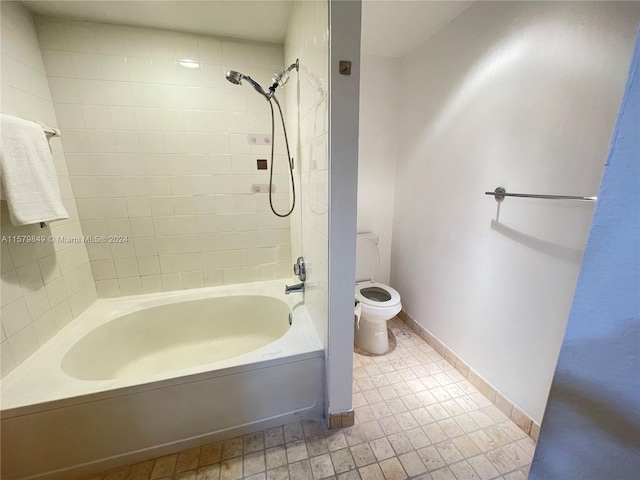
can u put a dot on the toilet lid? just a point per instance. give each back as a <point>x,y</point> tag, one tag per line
<point>367,258</point>
<point>376,294</point>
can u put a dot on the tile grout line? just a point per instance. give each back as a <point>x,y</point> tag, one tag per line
<point>515,414</point>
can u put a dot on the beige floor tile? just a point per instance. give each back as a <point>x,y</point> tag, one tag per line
<point>435,433</point>
<point>321,467</point>
<point>418,438</point>
<point>354,435</point>
<point>253,463</point>
<point>500,460</point>
<point>412,464</point>
<point>296,451</point>
<point>232,448</point>
<point>382,449</point>
<point>257,476</point>
<point>317,446</point>
<point>164,466</point>
<point>210,454</point>
<point>466,446</point>
<point>311,428</point>
<point>400,443</point>
<point>117,474</point>
<point>392,469</point>
<point>449,453</point>
<point>396,405</point>
<point>481,418</point>
<point>276,456</point>
<point>431,458</point>
<point>362,454</point>
<point>253,443</point>
<point>300,471</point>
<point>336,440</point>
<point>293,432</point>
<point>187,460</point>
<point>381,410</point>
<point>464,471</point>
<point>190,475</point>
<point>352,475</point>
<point>483,467</point>
<point>389,425</point>
<point>517,475</point>
<point>273,437</point>
<point>372,430</point>
<point>343,460</point>
<point>371,472</point>
<point>231,468</point>
<point>140,471</point>
<point>443,474</point>
<point>466,423</point>
<point>280,473</point>
<point>208,472</point>
<point>450,428</point>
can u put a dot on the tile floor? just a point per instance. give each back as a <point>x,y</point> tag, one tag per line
<point>416,417</point>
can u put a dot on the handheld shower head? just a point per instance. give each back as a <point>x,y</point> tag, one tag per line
<point>234,77</point>
<point>237,77</point>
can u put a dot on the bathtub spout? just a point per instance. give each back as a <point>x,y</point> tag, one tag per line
<point>294,288</point>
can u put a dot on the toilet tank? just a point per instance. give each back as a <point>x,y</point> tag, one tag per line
<point>367,257</point>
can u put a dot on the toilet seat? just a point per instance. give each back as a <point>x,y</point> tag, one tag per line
<point>364,300</point>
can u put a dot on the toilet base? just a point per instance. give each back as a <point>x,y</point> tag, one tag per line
<point>371,336</point>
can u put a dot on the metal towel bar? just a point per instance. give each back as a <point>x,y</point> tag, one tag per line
<point>499,194</point>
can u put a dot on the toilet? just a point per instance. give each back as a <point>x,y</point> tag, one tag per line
<point>375,302</point>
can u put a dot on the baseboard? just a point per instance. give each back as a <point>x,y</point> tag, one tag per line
<point>341,420</point>
<point>520,418</point>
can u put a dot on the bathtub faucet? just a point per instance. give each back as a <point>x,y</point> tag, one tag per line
<point>294,288</point>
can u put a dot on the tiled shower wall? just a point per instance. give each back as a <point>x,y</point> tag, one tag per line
<point>158,154</point>
<point>44,284</point>
<point>308,40</point>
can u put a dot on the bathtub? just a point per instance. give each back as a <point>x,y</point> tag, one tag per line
<point>138,377</point>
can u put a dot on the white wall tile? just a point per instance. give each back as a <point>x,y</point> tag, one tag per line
<point>113,67</point>
<point>91,92</point>
<point>86,65</point>
<point>58,63</point>
<point>81,38</point>
<point>150,143</point>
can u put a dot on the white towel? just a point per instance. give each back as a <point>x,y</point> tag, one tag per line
<point>27,173</point>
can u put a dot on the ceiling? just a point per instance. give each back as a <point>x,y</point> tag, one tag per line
<point>262,21</point>
<point>393,28</point>
<point>390,28</point>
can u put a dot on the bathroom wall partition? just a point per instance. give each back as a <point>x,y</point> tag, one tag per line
<point>45,284</point>
<point>159,153</point>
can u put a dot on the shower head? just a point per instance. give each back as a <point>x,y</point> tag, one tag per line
<point>237,77</point>
<point>234,77</point>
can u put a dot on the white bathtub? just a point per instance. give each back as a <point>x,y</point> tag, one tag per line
<point>136,377</point>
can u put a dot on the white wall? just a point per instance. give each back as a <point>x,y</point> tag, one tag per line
<point>594,397</point>
<point>307,127</point>
<point>158,153</point>
<point>520,95</point>
<point>377,152</point>
<point>44,285</point>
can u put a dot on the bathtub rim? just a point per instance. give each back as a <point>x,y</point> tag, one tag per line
<point>45,363</point>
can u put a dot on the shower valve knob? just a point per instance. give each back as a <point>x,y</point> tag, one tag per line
<point>299,269</point>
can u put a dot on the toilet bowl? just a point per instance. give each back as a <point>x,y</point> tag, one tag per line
<point>377,302</point>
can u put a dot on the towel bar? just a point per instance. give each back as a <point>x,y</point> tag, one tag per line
<point>499,194</point>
